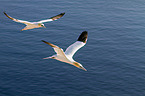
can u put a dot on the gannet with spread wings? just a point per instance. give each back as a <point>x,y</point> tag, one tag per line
<point>67,56</point>
<point>32,25</point>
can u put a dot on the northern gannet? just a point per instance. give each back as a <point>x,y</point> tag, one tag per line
<point>67,56</point>
<point>32,25</point>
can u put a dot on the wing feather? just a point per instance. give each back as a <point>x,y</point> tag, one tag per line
<point>17,20</point>
<point>57,49</point>
<point>52,18</point>
<point>72,49</point>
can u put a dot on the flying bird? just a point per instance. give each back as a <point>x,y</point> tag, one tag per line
<point>67,56</point>
<point>32,25</point>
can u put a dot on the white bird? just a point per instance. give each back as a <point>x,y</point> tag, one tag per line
<point>67,56</point>
<point>32,25</point>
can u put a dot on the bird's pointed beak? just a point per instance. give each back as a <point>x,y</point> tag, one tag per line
<point>83,68</point>
<point>79,66</point>
<point>44,27</point>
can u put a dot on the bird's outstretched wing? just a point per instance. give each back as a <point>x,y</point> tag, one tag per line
<point>57,49</point>
<point>71,50</point>
<point>17,20</point>
<point>52,18</point>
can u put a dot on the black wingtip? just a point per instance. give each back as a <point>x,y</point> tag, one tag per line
<point>8,15</point>
<point>43,41</point>
<point>62,13</point>
<point>83,37</point>
<point>57,16</point>
<point>4,13</point>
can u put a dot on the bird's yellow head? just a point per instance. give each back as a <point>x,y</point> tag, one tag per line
<point>41,25</point>
<point>79,65</point>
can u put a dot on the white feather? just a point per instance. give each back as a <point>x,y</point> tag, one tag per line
<point>43,21</point>
<point>71,50</point>
<point>22,21</point>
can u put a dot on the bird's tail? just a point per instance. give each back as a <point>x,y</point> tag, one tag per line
<point>49,57</point>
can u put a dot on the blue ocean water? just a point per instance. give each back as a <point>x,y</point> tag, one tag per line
<point>114,54</point>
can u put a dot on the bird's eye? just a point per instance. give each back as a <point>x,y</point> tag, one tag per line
<point>42,25</point>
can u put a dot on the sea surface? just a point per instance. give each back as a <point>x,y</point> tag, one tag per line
<point>114,54</point>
